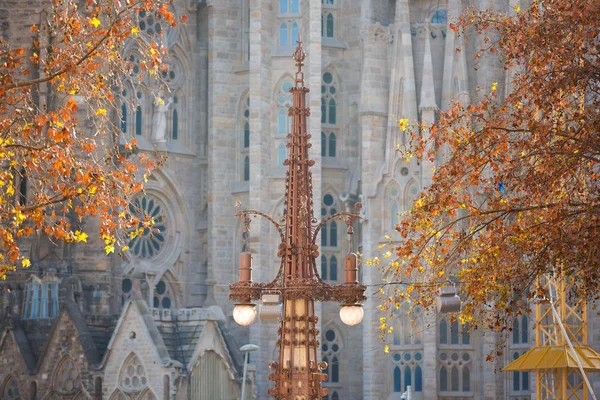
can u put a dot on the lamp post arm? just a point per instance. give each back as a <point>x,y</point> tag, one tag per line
<point>349,221</point>
<point>244,216</point>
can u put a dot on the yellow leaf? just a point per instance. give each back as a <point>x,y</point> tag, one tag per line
<point>125,248</point>
<point>494,86</point>
<point>517,9</point>
<point>95,21</point>
<point>101,111</point>
<point>109,249</point>
<point>135,31</point>
<point>26,263</point>
<point>403,123</point>
<point>160,101</point>
<point>81,236</point>
<point>386,349</point>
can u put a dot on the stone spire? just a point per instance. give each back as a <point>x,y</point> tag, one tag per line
<point>427,106</point>
<point>427,100</point>
<point>403,97</point>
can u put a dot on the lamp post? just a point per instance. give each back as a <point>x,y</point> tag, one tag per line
<point>297,373</point>
<point>247,348</point>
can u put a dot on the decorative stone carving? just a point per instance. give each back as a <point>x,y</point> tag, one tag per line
<point>377,33</point>
<point>159,118</point>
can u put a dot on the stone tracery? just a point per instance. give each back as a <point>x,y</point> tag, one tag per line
<point>132,377</point>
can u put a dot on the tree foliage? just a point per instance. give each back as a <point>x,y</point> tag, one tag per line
<point>62,154</point>
<point>518,195</point>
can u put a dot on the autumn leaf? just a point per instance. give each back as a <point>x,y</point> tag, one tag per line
<point>109,249</point>
<point>403,123</point>
<point>95,21</point>
<point>81,236</point>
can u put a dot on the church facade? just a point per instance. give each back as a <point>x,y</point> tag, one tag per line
<point>157,323</point>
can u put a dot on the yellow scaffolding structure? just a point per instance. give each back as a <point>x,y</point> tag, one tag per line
<point>561,357</point>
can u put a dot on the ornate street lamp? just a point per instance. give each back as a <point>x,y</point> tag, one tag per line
<point>297,373</point>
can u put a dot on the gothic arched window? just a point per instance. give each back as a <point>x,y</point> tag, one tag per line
<point>126,290</point>
<point>331,348</point>
<point>328,99</point>
<point>520,380</point>
<point>11,389</point>
<point>162,296</point>
<point>246,123</point>
<point>284,102</point>
<point>520,332</point>
<point>246,169</point>
<point>439,17</point>
<point>244,128</point>
<point>454,333</point>
<point>443,379</point>
<point>124,113</point>
<point>283,34</point>
<point>67,379</point>
<point>329,29</point>
<point>407,364</point>
<point>333,269</point>
<point>455,357</point>
<point>324,267</point>
<point>443,326</point>
<point>395,214</point>
<point>132,377</point>
<point>294,34</point>
<point>41,298</point>
<point>138,119</point>
<point>397,380</point>
<point>175,121</point>
<point>331,145</point>
<point>289,6</point>
<point>281,154</point>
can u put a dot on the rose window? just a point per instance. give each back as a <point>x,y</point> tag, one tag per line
<point>151,239</point>
<point>153,24</point>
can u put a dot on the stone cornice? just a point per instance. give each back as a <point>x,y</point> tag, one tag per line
<point>375,113</point>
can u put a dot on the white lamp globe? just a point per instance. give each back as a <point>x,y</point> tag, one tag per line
<point>351,314</point>
<point>244,314</point>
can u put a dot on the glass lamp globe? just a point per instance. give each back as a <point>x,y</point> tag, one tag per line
<point>351,314</point>
<point>244,314</point>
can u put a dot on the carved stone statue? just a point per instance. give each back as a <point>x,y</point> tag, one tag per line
<point>159,117</point>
